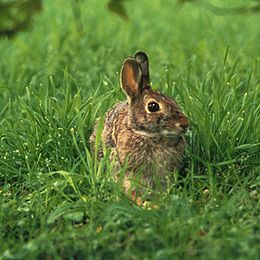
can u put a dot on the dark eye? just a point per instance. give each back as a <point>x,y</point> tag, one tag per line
<point>153,107</point>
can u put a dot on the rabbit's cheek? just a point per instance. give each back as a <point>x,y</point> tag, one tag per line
<point>150,126</point>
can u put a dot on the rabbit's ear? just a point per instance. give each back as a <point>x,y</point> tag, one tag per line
<point>142,58</point>
<point>131,78</point>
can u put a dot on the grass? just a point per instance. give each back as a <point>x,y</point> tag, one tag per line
<point>58,202</point>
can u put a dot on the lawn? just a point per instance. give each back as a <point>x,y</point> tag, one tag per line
<point>59,202</point>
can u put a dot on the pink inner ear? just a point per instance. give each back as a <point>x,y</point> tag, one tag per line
<point>131,77</point>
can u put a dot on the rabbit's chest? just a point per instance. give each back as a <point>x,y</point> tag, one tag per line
<point>162,156</point>
<point>159,154</point>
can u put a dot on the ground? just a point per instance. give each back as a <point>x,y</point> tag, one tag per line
<point>57,201</point>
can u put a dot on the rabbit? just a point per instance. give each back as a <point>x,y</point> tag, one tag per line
<point>146,132</point>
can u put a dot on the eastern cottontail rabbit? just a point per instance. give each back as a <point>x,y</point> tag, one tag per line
<point>146,131</point>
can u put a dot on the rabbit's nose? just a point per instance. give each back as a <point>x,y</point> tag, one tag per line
<point>184,123</point>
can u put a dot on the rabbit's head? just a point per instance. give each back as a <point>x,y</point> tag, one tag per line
<point>150,113</point>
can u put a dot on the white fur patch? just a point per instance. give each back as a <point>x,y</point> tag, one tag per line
<point>164,133</point>
<point>172,133</point>
<point>143,133</point>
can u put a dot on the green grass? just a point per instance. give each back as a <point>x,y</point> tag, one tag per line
<point>57,201</point>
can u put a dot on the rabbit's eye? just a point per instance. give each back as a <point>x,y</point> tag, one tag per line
<point>153,107</point>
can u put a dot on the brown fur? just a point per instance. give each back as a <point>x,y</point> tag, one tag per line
<point>151,143</point>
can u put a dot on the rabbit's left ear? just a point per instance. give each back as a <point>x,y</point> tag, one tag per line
<point>142,58</point>
<point>131,78</point>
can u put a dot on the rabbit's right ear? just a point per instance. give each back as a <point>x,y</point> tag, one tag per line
<point>131,78</point>
<point>142,58</point>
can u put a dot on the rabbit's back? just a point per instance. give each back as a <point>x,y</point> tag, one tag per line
<point>115,121</point>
